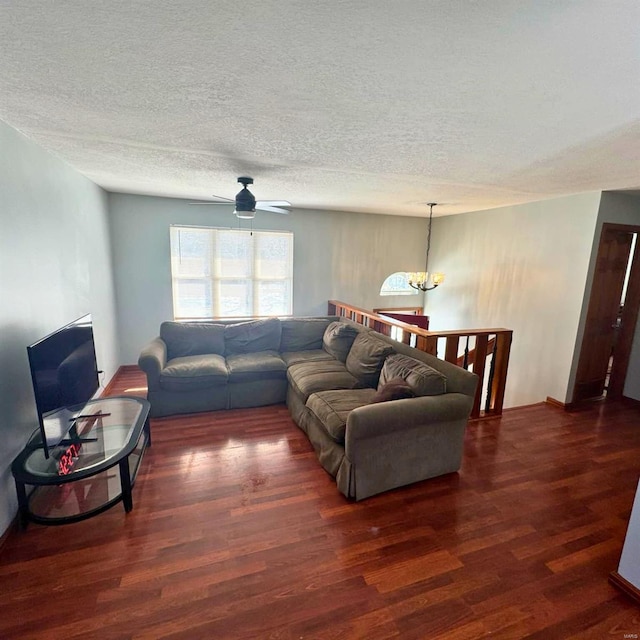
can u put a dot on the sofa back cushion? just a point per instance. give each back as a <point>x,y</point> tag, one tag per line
<point>252,336</point>
<point>303,334</point>
<point>192,338</point>
<point>366,358</point>
<point>423,379</point>
<point>338,338</point>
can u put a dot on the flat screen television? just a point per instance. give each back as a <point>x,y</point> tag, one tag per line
<point>64,373</point>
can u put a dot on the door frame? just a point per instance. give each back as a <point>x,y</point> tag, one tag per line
<point>630,315</point>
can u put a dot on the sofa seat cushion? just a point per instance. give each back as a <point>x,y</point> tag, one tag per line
<point>192,338</point>
<point>323,375</point>
<point>194,372</point>
<point>332,408</point>
<point>312,355</point>
<point>261,365</point>
<point>366,358</point>
<point>423,379</point>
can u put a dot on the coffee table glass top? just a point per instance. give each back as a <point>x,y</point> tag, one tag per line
<point>106,431</point>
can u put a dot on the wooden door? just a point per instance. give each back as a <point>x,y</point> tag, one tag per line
<point>602,313</point>
<point>627,330</point>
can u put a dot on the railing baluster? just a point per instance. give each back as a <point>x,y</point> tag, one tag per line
<point>492,371</point>
<point>451,350</point>
<point>465,360</point>
<point>432,345</point>
<point>479,364</point>
<point>503,345</point>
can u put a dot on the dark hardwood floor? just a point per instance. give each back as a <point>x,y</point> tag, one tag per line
<point>237,532</point>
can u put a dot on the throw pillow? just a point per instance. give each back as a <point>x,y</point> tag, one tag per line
<point>394,389</point>
<point>425,380</point>
<point>366,358</point>
<point>338,338</point>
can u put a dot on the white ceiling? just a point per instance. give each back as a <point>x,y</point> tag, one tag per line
<point>376,105</point>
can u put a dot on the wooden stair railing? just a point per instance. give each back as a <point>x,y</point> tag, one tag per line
<point>483,351</point>
<point>468,357</point>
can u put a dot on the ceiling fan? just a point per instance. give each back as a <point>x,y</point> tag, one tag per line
<point>246,204</point>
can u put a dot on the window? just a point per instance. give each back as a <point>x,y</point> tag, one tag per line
<point>397,285</point>
<point>231,273</point>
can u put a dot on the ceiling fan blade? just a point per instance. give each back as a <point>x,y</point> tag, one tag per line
<point>225,203</point>
<point>272,203</point>
<point>272,209</point>
<point>226,200</point>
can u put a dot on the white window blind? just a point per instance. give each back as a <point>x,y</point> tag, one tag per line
<point>231,273</point>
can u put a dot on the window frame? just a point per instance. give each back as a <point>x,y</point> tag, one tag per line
<point>213,283</point>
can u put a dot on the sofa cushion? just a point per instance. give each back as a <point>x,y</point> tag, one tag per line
<point>294,357</point>
<point>332,408</point>
<point>366,358</point>
<point>252,336</point>
<point>303,334</point>
<point>192,338</point>
<point>394,389</point>
<point>194,372</point>
<point>338,338</point>
<point>261,365</point>
<point>424,380</point>
<point>310,377</point>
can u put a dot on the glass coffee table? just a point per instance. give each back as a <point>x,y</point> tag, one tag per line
<point>91,470</point>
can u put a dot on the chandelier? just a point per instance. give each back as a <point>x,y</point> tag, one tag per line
<point>423,280</point>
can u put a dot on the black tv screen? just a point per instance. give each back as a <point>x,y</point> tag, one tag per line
<point>64,373</point>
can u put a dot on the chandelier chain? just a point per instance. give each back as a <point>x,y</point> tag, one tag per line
<point>426,266</point>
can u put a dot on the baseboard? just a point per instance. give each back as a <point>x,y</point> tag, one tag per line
<point>587,404</point>
<point>109,386</point>
<point>522,406</point>
<point>573,406</point>
<point>624,585</point>
<point>121,369</point>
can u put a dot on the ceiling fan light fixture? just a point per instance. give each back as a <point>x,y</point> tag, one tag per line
<point>245,215</point>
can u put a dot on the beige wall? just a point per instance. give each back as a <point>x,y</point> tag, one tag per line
<point>523,268</point>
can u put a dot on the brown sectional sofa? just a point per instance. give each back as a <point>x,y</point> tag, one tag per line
<point>336,378</point>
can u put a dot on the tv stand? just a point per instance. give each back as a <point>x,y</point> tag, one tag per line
<point>78,480</point>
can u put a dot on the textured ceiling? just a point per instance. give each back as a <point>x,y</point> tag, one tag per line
<point>362,105</point>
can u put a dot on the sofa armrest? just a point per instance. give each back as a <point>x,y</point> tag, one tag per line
<point>152,361</point>
<point>392,444</point>
<point>385,418</point>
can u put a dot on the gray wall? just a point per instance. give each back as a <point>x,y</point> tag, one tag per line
<point>55,265</point>
<point>343,256</point>
<point>522,268</point>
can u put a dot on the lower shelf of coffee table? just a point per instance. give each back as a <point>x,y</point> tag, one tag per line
<point>80,499</point>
